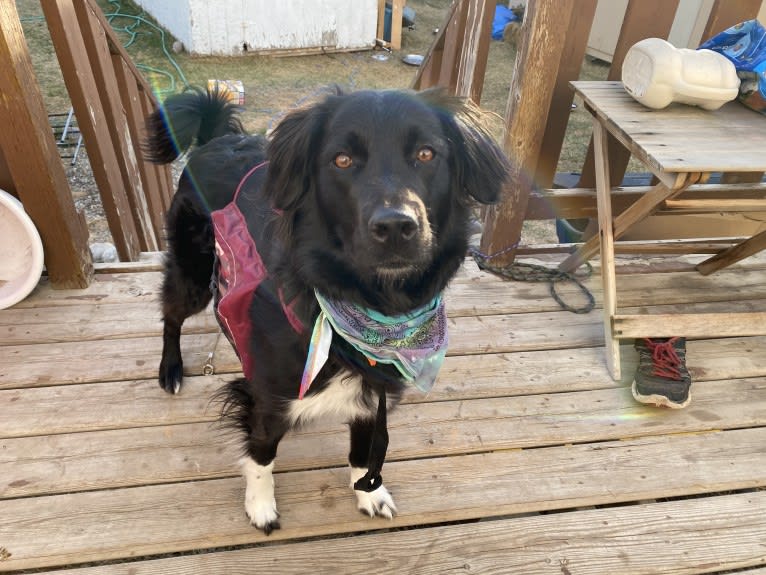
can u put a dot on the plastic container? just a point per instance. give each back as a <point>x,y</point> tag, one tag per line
<point>21,252</point>
<point>656,73</point>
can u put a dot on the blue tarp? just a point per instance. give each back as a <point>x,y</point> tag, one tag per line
<point>503,16</point>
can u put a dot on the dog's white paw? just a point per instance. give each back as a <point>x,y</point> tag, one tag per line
<point>260,504</point>
<point>373,503</point>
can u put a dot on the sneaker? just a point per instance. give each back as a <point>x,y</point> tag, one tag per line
<point>662,378</point>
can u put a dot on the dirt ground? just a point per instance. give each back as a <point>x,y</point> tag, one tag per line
<point>275,85</point>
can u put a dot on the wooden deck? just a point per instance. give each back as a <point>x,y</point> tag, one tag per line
<point>526,458</point>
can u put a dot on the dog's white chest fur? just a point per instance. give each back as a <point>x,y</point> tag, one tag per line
<point>342,399</point>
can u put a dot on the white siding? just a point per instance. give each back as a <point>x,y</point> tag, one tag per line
<point>225,26</point>
<point>173,16</point>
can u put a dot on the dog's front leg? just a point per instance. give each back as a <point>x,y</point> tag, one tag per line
<point>257,468</point>
<point>260,503</point>
<point>378,501</point>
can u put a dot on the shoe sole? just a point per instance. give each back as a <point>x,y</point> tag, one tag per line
<point>659,400</point>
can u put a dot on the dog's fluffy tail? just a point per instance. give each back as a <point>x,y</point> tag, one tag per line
<point>192,117</point>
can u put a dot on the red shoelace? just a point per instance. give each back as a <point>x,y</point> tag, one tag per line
<point>665,358</point>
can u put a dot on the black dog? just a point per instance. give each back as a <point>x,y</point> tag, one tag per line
<point>360,203</point>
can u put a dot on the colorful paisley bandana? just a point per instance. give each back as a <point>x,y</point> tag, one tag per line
<point>414,343</point>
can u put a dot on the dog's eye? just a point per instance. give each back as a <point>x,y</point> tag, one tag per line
<point>343,161</point>
<point>425,154</point>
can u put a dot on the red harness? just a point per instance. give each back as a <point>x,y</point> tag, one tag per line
<point>238,273</point>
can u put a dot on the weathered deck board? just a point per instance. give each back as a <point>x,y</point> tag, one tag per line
<point>95,323</point>
<point>97,464</point>
<point>149,455</point>
<point>630,539</point>
<point>105,360</point>
<point>469,335</point>
<point>115,285</point>
<point>116,360</point>
<point>144,520</point>
<point>60,409</point>
<point>89,317</point>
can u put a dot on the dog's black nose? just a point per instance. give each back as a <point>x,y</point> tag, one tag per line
<point>391,224</point>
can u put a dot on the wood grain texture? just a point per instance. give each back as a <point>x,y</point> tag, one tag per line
<point>199,451</point>
<point>665,134</point>
<point>637,539</point>
<point>140,521</point>
<point>544,34</point>
<point>32,161</point>
<point>98,464</point>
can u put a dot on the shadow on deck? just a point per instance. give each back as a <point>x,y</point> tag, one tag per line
<point>525,458</point>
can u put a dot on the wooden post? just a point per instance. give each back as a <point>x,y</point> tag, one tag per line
<point>726,14</point>
<point>544,33</point>
<point>561,103</point>
<point>606,246</point>
<point>33,161</point>
<point>472,64</point>
<point>149,176</point>
<point>397,8</point>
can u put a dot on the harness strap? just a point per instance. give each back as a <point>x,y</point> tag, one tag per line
<point>378,446</point>
<point>249,173</point>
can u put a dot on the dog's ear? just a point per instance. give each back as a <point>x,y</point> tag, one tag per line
<point>481,167</point>
<point>292,149</point>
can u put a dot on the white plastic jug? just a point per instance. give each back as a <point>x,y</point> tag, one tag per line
<point>656,73</point>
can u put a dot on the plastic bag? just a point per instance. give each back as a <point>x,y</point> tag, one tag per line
<point>745,45</point>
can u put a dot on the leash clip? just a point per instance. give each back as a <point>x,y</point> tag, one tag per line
<point>209,367</point>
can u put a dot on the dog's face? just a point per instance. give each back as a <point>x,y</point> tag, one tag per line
<point>375,189</point>
<point>383,179</point>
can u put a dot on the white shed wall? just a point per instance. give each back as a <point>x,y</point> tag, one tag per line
<point>226,26</point>
<point>173,16</point>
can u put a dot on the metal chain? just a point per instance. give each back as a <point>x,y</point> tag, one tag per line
<point>519,271</point>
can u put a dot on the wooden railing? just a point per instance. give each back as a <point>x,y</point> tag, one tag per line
<point>110,99</point>
<point>457,59</point>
